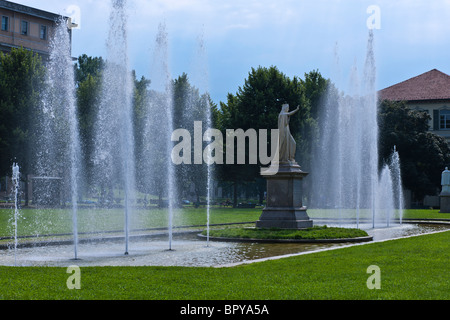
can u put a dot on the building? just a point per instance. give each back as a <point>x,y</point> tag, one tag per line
<point>429,92</point>
<point>27,27</point>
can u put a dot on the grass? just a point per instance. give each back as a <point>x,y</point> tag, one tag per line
<point>413,268</point>
<point>316,232</point>
<point>32,222</point>
<point>57,221</point>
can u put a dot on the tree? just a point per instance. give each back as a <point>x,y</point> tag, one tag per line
<point>423,155</point>
<point>22,76</point>
<point>256,105</point>
<point>140,102</point>
<point>88,73</point>
<point>190,106</point>
<point>88,66</point>
<point>315,87</point>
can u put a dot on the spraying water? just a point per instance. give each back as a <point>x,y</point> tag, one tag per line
<point>159,127</point>
<point>59,143</point>
<point>15,181</point>
<point>384,199</point>
<point>345,177</point>
<point>397,183</point>
<point>114,140</point>
<point>202,69</point>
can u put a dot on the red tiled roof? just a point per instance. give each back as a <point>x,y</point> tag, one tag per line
<point>431,85</point>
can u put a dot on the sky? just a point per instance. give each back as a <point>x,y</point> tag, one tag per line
<point>297,36</point>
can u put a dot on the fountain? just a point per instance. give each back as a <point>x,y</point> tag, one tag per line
<point>114,141</point>
<point>59,147</point>
<point>16,181</point>
<point>201,66</point>
<point>397,183</point>
<point>351,181</point>
<point>345,178</point>
<point>157,167</point>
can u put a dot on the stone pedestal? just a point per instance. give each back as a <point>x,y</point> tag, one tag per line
<point>284,207</point>
<point>445,203</point>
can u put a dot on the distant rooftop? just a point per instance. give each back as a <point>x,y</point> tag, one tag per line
<point>28,10</point>
<point>431,85</point>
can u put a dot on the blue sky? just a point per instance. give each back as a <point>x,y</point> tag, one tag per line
<point>297,36</point>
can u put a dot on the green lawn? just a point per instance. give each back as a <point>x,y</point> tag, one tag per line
<point>316,232</point>
<point>32,222</point>
<point>51,221</point>
<point>412,268</point>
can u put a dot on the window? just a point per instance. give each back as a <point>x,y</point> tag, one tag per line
<point>5,23</point>
<point>43,32</point>
<point>444,118</point>
<point>24,28</point>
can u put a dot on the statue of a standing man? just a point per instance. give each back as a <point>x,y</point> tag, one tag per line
<point>286,141</point>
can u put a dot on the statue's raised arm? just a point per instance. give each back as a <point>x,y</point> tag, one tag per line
<point>294,111</point>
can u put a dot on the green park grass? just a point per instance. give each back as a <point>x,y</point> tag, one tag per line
<point>59,221</point>
<point>411,268</point>
<point>316,233</point>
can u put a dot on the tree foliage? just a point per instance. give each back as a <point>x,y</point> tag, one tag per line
<point>88,73</point>
<point>256,105</point>
<point>191,106</point>
<point>423,155</point>
<point>22,76</point>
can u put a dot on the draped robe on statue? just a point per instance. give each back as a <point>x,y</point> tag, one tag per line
<point>286,142</point>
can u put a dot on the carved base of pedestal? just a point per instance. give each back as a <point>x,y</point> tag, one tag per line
<point>284,218</point>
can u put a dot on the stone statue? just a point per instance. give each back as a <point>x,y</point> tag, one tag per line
<point>445,181</point>
<point>284,207</point>
<point>445,193</point>
<point>286,142</point>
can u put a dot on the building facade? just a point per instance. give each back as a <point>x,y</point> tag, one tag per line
<point>429,92</point>
<point>27,27</point>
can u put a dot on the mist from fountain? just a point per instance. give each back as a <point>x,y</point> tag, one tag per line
<point>345,177</point>
<point>16,184</point>
<point>58,154</point>
<point>397,184</point>
<point>384,199</point>
<point>201,67</point>
<point>114,139</point>
<point>158,128</point>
